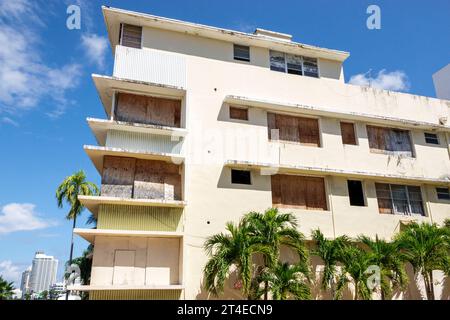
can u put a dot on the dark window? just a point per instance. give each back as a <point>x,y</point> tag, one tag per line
<point>355,193</point>
<point>294,64</point>
<point>431,138</point>
<point>443,193</point>
<point>241,53</point>
<point>240,177</point>
<point>131,36</point>
<point>348,133</point>
<point>238,113</point>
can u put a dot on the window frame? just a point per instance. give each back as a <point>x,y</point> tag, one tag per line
<point>407,199</point>
<point>237,58</point>
<point>447,193</point>
<point>302,59</point>
<point>240,183</point>
<point>435,137</point>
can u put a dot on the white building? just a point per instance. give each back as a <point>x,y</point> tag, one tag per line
<point>441,80</point>
<point>43,272</point>
<point>25,281</point>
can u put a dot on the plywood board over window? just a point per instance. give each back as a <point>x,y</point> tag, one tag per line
<point>238,113</point>
<point>140,179</point>
<point>118,176</point>
<point>293,129</point>
<point>298,192</point>
<point>131,36</point>
<point>148,110</point>
<point>389,140</point>
<point>348,133</point>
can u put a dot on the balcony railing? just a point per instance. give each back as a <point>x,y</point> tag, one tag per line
<point>150,66</point>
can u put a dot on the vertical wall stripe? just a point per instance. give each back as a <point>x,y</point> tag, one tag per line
<point>139,141</point>
<point>150,66</point>
<point>123,217</point>
<point>135,295</point>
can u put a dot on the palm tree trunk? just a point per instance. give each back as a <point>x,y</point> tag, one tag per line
<point>426,281</point>
<point>431,285</point>
<point>71,250</point>
<point>356,290</point>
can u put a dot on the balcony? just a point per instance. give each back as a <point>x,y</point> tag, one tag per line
<point>148,65</point>
<point>134,260</point>
<point>138,182</point>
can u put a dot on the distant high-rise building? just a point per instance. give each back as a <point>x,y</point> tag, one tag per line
<point>441,81</point>
<point>25,281</point>
<point>43,272</point>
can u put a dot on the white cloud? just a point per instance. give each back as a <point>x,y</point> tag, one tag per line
<point>10,121</point>
<point>95,47</point>
<point>395,80</point>
<point>25,79</point>
<point>21,217</point>
<point>10,272</point>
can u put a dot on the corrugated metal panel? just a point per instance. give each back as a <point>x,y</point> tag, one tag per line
<point>150,66</point>
<point>135,295</point>
<point>122,217</point>
<point>138,141</point>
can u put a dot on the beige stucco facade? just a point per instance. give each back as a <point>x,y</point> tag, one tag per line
<point>194,64</point>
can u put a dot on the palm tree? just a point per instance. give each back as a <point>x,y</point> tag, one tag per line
<point>355,263</point>
<point>235,248</point>
<point>387,257</point>
<point>426,248</point>
<point>286,281</point>
<point>68,191</point>
<point>330,252</point>
<point>274,229</point>
<point>6,289</point>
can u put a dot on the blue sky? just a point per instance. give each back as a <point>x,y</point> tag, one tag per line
<point>46,91</point>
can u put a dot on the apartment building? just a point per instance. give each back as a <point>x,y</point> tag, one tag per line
<point>205,124</point>
<point>43,272</point>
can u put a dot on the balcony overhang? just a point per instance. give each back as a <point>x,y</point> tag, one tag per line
<point>113,17</point>
<point>92,203</point>
<point>106,86</point>
<point>96,154</point>
<point>271,169</point>
<point>333,113</point>
<point>100,128</point>
<point>90,234</point>
<point>124,287</point>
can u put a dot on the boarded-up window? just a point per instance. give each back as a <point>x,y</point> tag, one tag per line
<point>294,129</point>
<point>140,179</point>
<point>298,191</point>
<point>238,113</point>
<point>148,110</point>
<point>389,140</point>
<point>399,199</point>
<point>118,177</point>
<point>157,180</point>
<point>348,133</point>
<point>131,36</point>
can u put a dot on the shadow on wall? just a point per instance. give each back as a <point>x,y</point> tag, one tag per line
<point>256,117</point>
<point>258,182</point>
